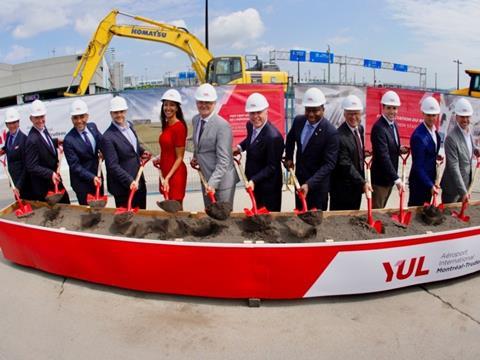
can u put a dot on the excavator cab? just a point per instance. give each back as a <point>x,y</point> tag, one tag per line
<point>474,88</point>
<point>225,70</point>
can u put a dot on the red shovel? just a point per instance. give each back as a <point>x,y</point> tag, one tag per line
<point>313,216</point>
<point>461,215</point>
<point>373,224</point>
<point>96,201</point>
<point>434,201</point>
<point>56,195</point>
<point>24,209</point>
<point>254,210</point>
<point>123,215</point>
<point>403,217</point>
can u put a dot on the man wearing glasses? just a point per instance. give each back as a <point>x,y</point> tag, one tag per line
<point>316,141</point>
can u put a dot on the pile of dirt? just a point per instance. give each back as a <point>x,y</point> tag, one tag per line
<point>274,228</point>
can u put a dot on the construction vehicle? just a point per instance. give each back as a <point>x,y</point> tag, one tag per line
<point>215,70</point>
<point>474,88</point>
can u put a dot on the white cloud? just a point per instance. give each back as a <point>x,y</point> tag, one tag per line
<point>169,55</point>
<point>86,24</point>
<point>237,29</point>
<point>444,30</point>
<point>16,54</point>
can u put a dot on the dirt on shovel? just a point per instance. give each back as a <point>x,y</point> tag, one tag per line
<point>432,215</point>
<point>219,210</point>
<point>170,206</point>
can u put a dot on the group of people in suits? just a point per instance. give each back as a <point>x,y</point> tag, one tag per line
<point>328,162</point>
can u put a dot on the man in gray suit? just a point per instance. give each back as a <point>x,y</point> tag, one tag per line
<point>212,141</point>
<point>459,149</point>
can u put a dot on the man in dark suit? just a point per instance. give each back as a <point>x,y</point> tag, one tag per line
<point>15,150</point>
<point>123,154</point>
<point>41,157</point>
<point>81,146</point>
<point>317,142</point>
<point>264,147</point>
<point>425,144</point>
<point>348,178</point>
<point>386,149</point>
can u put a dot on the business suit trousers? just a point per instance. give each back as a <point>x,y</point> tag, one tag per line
<point>450,198</point>
<point>380,196</point>
<point>139,199</point>
<point>315,199</point>
<point>225,195</point>
<point>341,202</point>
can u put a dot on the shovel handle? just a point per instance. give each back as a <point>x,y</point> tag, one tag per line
<point>242,173</point>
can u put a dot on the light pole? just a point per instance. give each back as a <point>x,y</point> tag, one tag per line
<point>458,62</point>
<point>328,55</point>
<point>206,24</point>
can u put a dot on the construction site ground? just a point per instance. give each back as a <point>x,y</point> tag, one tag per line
<point>43,316</point>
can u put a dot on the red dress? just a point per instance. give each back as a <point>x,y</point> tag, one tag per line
<point>172,137</point>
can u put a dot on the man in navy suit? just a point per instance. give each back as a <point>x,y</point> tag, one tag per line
<point>317,144</point>
<point>41,157</point>
<point>264,147</point>
<point>348,178</point>
<point>81,146</point>
<point>425,144</point>
<point>386,149</point>
<point>123,153</point>
<point>15,150</point>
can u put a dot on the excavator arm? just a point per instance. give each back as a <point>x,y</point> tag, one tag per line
<point>164,33</point>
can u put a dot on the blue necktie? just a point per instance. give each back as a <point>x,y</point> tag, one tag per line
<point>394,133</point>
<point>254,136</point>
<point>87,140</point>
<point>202,125</point>
<point>10,142</point>
<point>307,134</point>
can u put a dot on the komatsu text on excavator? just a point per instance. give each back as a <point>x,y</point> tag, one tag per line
<point>215,70</point>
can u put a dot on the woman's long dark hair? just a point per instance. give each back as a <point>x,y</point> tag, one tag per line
<point>178,114</point>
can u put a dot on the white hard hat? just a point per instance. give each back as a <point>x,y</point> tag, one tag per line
<point>38,108</point>
<point>172,95</point>
<point>430,106</point>
<point>256,102</point>
<point>118,103</point>
<point>206,92</point>
<point>352,102</point>
<point>313,97</point>
<point>390,98</point>
<point>79,107</point>
<point>463,107</point>
<point>11,116</point>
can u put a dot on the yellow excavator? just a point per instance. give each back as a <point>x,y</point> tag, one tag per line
<point>474,88</point>
<point>215,70</point>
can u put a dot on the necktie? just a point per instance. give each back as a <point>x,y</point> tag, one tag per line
<point>394,133</point>
<point>87,140</point>
<point>254,136</point>
<point>49,141</point>
<point>358,142</point>
<point>10,142</point>
<point>306,136</point>
<point>202,125</point>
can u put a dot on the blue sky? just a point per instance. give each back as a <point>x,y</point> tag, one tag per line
<point>427,33</point>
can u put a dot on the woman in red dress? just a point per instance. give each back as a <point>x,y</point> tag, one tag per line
<point>172,147</point>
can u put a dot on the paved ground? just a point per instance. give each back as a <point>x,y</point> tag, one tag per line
<point>48,317</point>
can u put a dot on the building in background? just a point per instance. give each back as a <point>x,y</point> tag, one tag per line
<point>46,79</point>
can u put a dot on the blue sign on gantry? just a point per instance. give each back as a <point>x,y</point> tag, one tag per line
<point>298,55</point>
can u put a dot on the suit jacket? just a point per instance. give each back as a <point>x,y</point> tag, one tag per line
<point>423,171</point>
<point>214,152</point>
<point>263,165</point>
<point>348,177</point>
<point>314,165</point>
<point>41,162</point>
<point>122,161</point>
<point>16,162</point>
<point>82,161</point>
<point>458,166</point>
<point>385,153</point>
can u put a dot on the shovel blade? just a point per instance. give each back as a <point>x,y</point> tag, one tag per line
<point>460,216</point>
<point>377,226</point>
